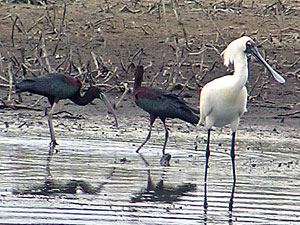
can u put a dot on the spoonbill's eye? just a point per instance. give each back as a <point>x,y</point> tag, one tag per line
<point>249,44</point>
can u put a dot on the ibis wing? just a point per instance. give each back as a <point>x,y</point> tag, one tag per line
<point>164,104</point>
<point>50,85</point>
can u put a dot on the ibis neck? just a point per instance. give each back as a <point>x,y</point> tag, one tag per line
<point>87,98</point>
<point>240,74</point>
<point>137,82</point>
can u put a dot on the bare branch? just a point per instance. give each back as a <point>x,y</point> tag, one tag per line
<point>126,89</point>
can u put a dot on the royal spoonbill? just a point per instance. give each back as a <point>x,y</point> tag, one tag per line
<point>224,100</point>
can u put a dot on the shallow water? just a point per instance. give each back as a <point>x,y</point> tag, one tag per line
<point>91,181</point>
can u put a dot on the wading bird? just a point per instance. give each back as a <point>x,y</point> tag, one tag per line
<point>55,87</point>
<point>224,100</point>
<point>161,103</point>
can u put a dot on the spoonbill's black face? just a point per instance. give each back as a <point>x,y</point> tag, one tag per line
<point>250,45</point>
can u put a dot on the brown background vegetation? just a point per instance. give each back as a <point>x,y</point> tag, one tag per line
<point>179,43</point>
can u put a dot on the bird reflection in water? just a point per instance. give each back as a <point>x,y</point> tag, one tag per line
<point>160,192</point>
<point>52,186</point>
<point>230,205</point>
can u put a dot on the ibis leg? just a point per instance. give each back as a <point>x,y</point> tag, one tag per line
<point>53,142</point>
<point>207,155</point>
<point>232,153</point>
<point>166,136</point>
<point>152,119</point>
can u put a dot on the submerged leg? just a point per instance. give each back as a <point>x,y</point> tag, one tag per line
<point>166,136</point>
<point>232,153</point>
<point>207,155</point>
<point>152,119</point>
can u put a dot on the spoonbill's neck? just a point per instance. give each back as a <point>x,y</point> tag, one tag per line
<point>240,75</point>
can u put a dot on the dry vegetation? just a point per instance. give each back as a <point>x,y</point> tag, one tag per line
<point>179,43</point>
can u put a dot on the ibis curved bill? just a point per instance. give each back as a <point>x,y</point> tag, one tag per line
<point>224,100</point>
<point>109,107</point>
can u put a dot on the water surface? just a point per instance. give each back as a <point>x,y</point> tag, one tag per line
<point>92,181</point>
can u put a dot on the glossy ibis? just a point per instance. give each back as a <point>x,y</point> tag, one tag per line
<point>224,100</point>
<point>161,103</point>
<point>55,87</point>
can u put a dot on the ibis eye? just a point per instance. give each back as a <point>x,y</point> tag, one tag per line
<point>249,43</point>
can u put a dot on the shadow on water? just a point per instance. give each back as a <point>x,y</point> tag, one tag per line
<point>53,186</point>
<point>160,192</point>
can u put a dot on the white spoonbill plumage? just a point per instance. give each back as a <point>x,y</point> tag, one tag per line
<point>224,100</point>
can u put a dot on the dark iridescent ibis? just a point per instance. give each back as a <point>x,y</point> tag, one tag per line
<point>161,103</point>
<point>55,87</point>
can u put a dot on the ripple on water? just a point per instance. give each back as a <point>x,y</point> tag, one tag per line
<point>98,181</point>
